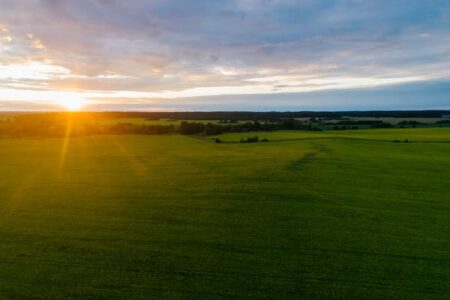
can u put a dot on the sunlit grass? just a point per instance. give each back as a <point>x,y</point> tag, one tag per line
<point>174,217</point>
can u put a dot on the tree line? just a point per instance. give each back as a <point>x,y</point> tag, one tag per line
<point>78,124</point>
<point>56,125</point>
<point>191,128</point>
<point>249,115</point>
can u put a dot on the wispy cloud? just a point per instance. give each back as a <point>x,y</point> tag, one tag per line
<point>159,50</point>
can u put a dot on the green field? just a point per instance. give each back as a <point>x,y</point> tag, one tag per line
<point>163,217</point>
<point>412,134</point>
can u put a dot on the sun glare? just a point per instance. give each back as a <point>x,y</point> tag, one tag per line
<point>72,104</point>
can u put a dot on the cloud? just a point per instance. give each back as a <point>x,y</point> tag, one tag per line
<point>152,49</point>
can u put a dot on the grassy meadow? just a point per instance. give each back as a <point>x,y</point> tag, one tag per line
<point>163,217</point>
<point>435,135</point>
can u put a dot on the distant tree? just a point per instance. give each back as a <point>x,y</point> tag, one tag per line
<point>289,124</point>
<point>256,126</point>
<point>191,128</point>
<point>211,129</point>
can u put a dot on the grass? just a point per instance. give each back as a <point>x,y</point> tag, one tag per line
<point>396,121</point>
<point>7,116</point>
<point>174,217</point>
<point>412,134</point>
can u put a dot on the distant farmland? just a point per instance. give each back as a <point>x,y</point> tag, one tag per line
<point>174,217</point>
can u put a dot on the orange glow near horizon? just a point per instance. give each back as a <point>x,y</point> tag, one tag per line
<point>72,104</point>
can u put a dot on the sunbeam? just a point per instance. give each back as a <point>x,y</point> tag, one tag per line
<point>66,141</point>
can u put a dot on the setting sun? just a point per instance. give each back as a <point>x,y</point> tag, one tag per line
<point>72,104</point>
<point>225,149</point>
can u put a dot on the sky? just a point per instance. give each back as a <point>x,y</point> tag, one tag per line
<point>260,55</point>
